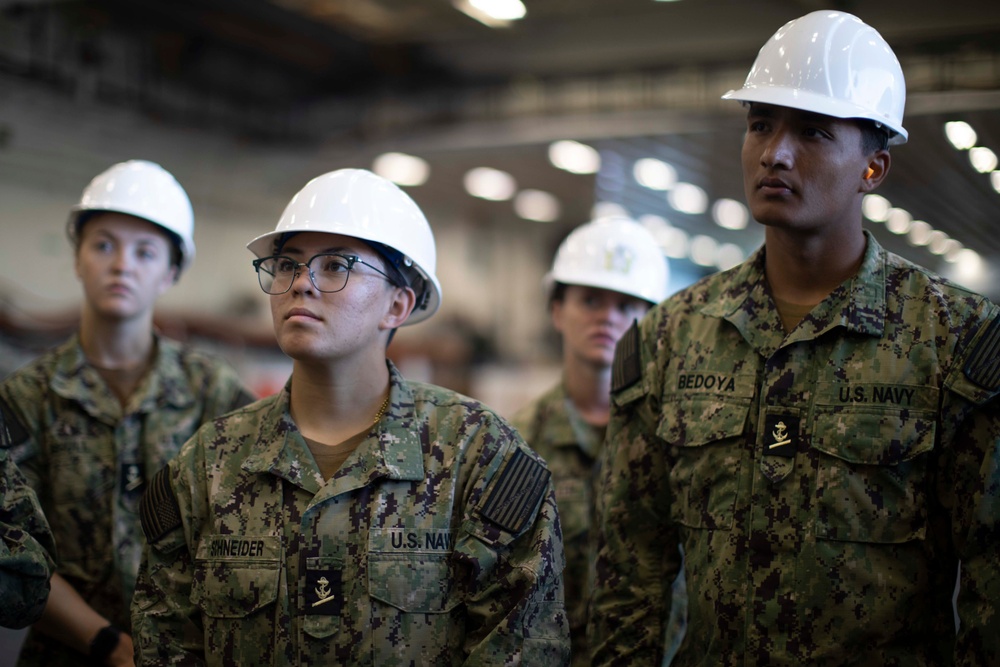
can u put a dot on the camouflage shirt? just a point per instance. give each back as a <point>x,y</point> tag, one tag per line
<point>824,484</point>
<point>556,431</point>
<point>88,460</point>
<point>436,543</point>
<point>25,546</point>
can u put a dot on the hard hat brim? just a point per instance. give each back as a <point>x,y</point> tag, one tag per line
<point>794,98</point>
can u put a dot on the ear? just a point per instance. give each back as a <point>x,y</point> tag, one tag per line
<point>169,278</point>
<point>875,171</point>
<point>403,301</point>
<point>557,315</point>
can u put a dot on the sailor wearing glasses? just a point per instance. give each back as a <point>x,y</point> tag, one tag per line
<point>354,517</point>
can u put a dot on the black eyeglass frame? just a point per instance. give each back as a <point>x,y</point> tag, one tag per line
<point>351,261</point>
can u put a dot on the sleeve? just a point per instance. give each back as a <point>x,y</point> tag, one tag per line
<point>226,391</point>
<point>969,485</point>
<point>26,548</point>
<point>21,426</point>
<point>634,541</point>
<point>511,554</point>
<point>166,625</point>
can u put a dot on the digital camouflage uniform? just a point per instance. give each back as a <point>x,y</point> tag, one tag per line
<point>436,543</point>
<point>25,547</point>
<point>88,460</point>
<point>824,484</point>
<point>552,426</point>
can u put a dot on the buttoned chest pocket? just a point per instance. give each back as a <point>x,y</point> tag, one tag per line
<point>82,462</point>
<point>235,585</point>
<point>706,437</point>
<point>416,618</point>
<point>872,476</point>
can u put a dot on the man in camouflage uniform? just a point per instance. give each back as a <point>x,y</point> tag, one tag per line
<point>354,518</point>
<point>605,274</point>
<point>25,547</point>
<point>92,420</point>
<point>819,427</point>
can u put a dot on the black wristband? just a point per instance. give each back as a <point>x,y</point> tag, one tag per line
<point>103,643</point>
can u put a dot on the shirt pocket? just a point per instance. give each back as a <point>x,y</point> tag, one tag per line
<point>235,585</point>
<point>415,614</point>
<point>705,435</point>
<point>872,474</point>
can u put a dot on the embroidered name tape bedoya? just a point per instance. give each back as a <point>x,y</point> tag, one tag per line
<point>983,366</point>
<point>158,509</point>
<point>518,488</point>
<point>627,368</point>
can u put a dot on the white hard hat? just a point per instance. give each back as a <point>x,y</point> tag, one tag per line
<point>616,254</point>
<point>357,203</point>
<point>143,189</point>
<point>831,63</point>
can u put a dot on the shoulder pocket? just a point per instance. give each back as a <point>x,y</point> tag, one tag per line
<point>872,474</point>
<point>705,435</point>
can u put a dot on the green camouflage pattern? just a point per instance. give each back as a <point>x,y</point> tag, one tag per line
<point>552,426</point>
<point>88,459</point>
<point>389,563</point>
<point>25,547</point>
<point>824,484</point>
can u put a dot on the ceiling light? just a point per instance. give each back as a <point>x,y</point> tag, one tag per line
<point>960,134</point>
<point>995,180</point>
<point>402,169</point>
<point>654,174</point>
<point>703,250</point>
<point>969,266</point>
<point>491,184</point>
<point>983,159</point>
<point>898,221</point>
<point>730,214</point>
<point>954,253</point>
<point>937,242</point>
<point>493,13</point>
<point>920,232</point>
<point>688,198</point>
<point>575,157</point>
<point>875,207</point>
<point>673,242</point>
<point>536,205</point>
<point>728,255</point>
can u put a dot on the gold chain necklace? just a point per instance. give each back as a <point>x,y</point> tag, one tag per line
<point>381,412</point>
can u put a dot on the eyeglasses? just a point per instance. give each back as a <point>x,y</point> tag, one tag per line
<point>328,272</point>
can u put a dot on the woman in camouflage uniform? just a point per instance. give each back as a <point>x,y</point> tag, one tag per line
<point>93,419</point>
<point>605,275</point>
<point>355,517</point>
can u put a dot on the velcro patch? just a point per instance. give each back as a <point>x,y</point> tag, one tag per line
<point>158,509</point>
<point>983,366</point>
<point>516,493</point>
<point>12,431</point>
<point>627,368</point>
<point>781,435</point>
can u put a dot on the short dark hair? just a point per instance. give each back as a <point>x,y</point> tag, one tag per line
<point>874,137</point>
<point>558,292</point>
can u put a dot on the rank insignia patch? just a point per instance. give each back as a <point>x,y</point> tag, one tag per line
<point>780,435</point>
<point>323,594</point>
